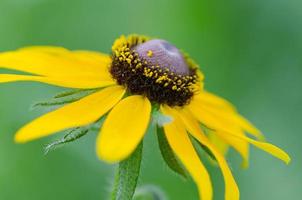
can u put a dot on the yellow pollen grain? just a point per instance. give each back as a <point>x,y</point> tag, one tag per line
<point>160,79</point>
<point>150,53</point>
<point>128,60</point>
<point>139,65</point>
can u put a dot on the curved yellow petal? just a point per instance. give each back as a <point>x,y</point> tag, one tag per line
<point>124,128</point>
<point>224,111</point>
<point>80,113</point>
<point>207,118</point>
<point>210,113</point>
<point>56,61</point>
<point>242,147</point>
<point>235,119</point>
<point>269,148</point>
<point>248,127</point>
<point>183,148</point>
<point>69,82</point>
<point>213,100</point>
<point>231,188</point>
<point>219,143</point>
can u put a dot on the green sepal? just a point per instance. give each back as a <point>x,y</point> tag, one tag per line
<point>63,98</point>
<point>70,92</point>
<point>127,176</point>
<point>199,146</point>
<point>71,136</point>
<point>168,154</point>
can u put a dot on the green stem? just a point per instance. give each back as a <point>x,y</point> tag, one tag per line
<point>127,175</point>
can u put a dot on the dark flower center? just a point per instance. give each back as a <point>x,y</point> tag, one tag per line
<point>154,68</point>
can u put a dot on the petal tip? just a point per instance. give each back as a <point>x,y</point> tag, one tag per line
<point>107,155</point>
<point>108,159</point>
<point>287,160</point>
<point>19,138</point>
<point>245,164</point>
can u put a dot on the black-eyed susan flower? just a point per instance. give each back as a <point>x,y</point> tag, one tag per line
<point>142,76</point>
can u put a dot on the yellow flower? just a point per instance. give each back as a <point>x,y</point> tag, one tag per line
<point>141,74</point>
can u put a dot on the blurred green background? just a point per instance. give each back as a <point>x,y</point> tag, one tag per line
<point>250,52</point>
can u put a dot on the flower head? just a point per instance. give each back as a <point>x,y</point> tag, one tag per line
<point>142,77</point>
<point>154,68</point>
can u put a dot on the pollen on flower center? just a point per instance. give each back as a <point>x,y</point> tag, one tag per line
<point>154,68</point>
<point>162,53</point>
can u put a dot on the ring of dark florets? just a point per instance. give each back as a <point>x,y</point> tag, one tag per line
<point>133,72</point>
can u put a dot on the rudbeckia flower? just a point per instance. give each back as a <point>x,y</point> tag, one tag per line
<point>142,76</point>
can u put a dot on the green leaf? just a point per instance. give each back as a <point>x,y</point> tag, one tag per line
<point>127,176</point>
<point>168,155</point>
<point>71,136</point>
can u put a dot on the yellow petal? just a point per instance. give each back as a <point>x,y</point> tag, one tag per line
<point>208,118</point>
<point>214,121</point>
<point>235,119</point>
<point>231,188</point>
<point>80,113</point>
<point>249,127</point>
<point>69,82</point>
<point>213,100</point>
<point>219,115</point>
<point>219,143</point>
<point>269,148</point>
<point>242,147</point>
<point>183,148</point>
<point>92,56</point>
<point>225,111</point>
<point>124,128</point>
<point>56,61</point>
